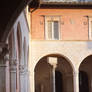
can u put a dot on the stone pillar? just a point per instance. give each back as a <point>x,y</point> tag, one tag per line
<point>3,74</point>
<point>23,71</point>
<point>7,73</point>
<point>13,75</point>
<point>4,68</point>
<point>76,81</point>
<point>53,62</point>
<point>53,73</point>
<point>22,79</point>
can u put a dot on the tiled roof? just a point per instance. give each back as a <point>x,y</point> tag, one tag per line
<point>66,0</point>
<point>61,3</point>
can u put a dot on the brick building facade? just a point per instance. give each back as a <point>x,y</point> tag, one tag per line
<point>61,33</point>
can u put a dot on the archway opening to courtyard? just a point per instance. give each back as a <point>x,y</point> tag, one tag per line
<point>53,73</point>
<point>85,75</point>
<point>58,81</point>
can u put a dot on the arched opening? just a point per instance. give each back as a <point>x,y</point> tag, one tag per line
<point>85,75</point>
<point>25,52</point>
<point>18,56</point>
<point>58,81</point>
<point>44,75</point>
<point>19,41</point>
<point>83,82</point>
<point>11,42</point>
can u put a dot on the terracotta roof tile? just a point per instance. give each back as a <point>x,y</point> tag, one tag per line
<point>67,0</point>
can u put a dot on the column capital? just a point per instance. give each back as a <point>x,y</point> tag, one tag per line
<point>13,61</point>
<point>4,60</point>
<point>13,64</point>
<point>3,50</point>
<point>2,45</point>
<point>52,61</point>
<point>6,57</point>
<point>21,68</point>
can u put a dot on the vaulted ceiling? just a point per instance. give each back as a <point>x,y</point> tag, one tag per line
<point>9,11</point>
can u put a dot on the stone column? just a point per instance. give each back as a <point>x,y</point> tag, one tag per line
<point>4,75</point>
<point>53,62</point>
<point>22,79</point>
<point>23,72</point>
<point>7,73</point>
<point>76,81</point>
<point>13,75</point>
<point>4,68</point>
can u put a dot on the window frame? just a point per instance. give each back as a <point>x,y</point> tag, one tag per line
<point>90,29</point>
<point>52,18</point>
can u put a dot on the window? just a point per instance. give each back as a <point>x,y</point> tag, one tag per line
<point>90,28</point>
<point>52,27</point>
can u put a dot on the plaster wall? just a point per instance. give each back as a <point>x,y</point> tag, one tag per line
<point>74,51</point>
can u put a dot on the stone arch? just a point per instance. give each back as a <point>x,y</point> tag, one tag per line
<point>83,57</point>
<point>86,67</point>
<point>11,42</point>
<point>68,60</point>
<point>14,15</point>
<point>27,56</point>
<point>18,56</point>
<point>43,74</point>
<point>19,41</point>
<point>25,51</point>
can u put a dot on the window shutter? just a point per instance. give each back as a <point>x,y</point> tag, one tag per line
<point>91,30</point>
<point>56,30</point>
<point>49,30</point>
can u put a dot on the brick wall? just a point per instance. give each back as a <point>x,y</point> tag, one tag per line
<point>73,26</point>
